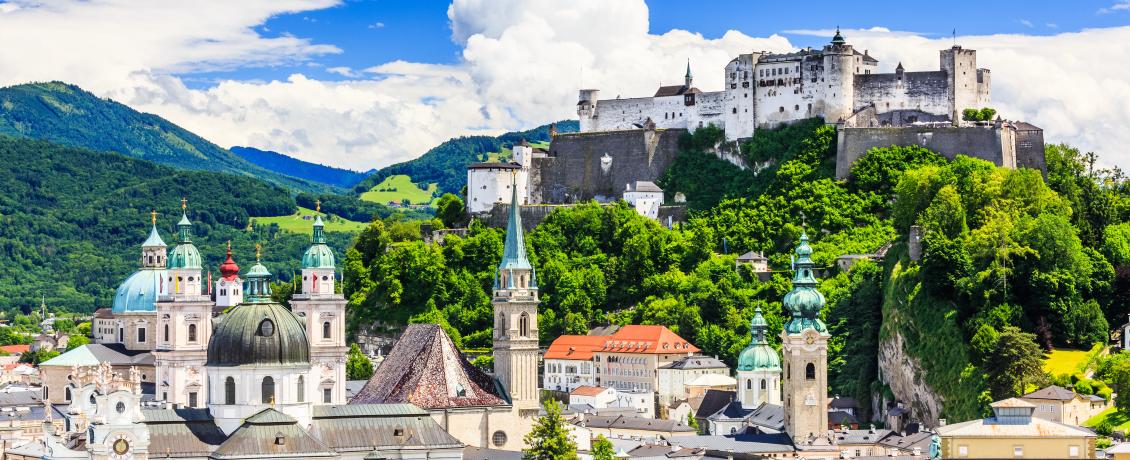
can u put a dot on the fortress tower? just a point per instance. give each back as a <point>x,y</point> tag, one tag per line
<point>839,76</point>
<point>515,303</point>
<point>804,344</point>
<point>965,80</point>
<point>586,109</point>
<point>183,324</point>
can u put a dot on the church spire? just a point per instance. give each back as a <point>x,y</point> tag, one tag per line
<point>804,302</point>
<point>319,227</point>
<point>184,227</point>
<point>689,78</point>
<point>514,250</point>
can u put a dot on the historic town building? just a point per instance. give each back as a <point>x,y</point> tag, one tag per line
<point>759,368</point>
<point>804,347</point>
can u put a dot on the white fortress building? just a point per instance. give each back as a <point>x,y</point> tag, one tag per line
<point>837,83</point>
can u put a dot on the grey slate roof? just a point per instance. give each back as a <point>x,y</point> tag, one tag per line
<point>257,437</point>
<point>646,186</point>
<point>478,453</point>
<point>695,362</point>
<point>771,416</point>
<point>364,427</point>
<point>177,433</point>
<point>870,436</point>
<point>844,402</point>
<point>636,423</point>
<point>1053,392</point>
<point>740,443</point>
<point>921,439</point>
<point>839,417</point>
<point>494,166</point>
<point>713,401</point>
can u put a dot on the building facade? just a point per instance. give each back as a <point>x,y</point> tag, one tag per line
<point>673,378</point>
<point>759,368</point>
<point>765,89</point>
<point>804,347</point>
<point>1014,432</point>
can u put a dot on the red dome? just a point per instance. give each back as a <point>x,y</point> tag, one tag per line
<point>229,270</point>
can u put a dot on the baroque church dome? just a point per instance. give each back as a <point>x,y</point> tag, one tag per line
<point>319,254</point>
<point>185,255</point>
<point>759,355</point>
<point>139,292</point>
<point>258,332</point>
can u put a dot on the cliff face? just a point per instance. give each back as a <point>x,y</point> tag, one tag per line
<point>903,373</point>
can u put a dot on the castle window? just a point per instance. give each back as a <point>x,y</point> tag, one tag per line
<point>796,107</point>
<point>781,109</point>
<point>326,330</point>
<point>524,325</point>
<point>810,372</point>
<point>735,110</point>
<point>268,389</point>
<point>762,384</point>
<point>229,391</point>
<point>166,332</point>
<point>192,333</point>
<point>301,389</point>
<point>66,394</point>
<point>498,438</point>
<point>749,384</point>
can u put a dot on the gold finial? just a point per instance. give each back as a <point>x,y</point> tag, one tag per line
<point>258,251</point>
<point>318,206</point>
<point>229,245</point>
<point>183,204</point>
<point>153,217</point>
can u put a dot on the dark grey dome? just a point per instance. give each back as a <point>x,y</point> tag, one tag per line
<point>258,334</point>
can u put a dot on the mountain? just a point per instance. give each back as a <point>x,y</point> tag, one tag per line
<point>446,164</point>
<point>66,114</point>
<point>290,166</point>
<point>72,221</point>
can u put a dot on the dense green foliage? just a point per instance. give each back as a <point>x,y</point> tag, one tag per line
<point>602,448</point>
<point>446,164</point>
<point>1017,362</point>
<point>984,114</point>
<point>72,222</point>
<point>550,438</point>
<point>357,365</point>
<point>65,114</point>
<point>450,210</point>
<point>283,164</point>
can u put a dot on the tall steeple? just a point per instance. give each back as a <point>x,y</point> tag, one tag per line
<point>319,269</point>
<point>185,263</point>
<point>153,249</point>
<point>804,344</point>
<point>515,303</point>
<point>689,78</point>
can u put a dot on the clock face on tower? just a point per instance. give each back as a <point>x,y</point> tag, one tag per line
<point>121,446</point>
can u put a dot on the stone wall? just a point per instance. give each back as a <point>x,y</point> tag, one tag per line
<point>992,143</point>
<point>598,165</point>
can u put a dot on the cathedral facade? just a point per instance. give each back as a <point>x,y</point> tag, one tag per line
<point>836,82</point>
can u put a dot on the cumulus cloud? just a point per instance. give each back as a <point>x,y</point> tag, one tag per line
<point>521,65</point>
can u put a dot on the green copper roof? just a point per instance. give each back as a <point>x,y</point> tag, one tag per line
<point>185,255</point>
<point>154,239</point>
<point>688,68</point>
<point>139,291</point>
<point>318,255</point>
<point>258,334</point>
<point>804,302</point>
<point>514,250</point>
<point>258,270</point>
<point>184,221</point>
<point>838,39</point>
<point>80,356</point>
<point>257,284</point>
<point>759,355</point>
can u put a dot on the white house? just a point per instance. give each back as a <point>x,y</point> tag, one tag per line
<point>646,197</point>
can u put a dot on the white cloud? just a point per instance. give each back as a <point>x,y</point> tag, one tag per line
<point>1027,23</point>
<point>522,63</point>
<point>1121,5</point>
<point>377,25</point>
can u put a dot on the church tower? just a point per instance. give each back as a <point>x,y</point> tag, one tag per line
<point>322,310</point>
<point>184,323</point>
<point>515,303</point>
<point>759,368</point>
<point>804,344</point>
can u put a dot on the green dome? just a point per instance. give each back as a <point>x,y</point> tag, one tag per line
<point>318,256</point>
<point>258,270</point>
<point>185,255</point>
<point>759,357</point>
<point>804,301</point>
<point>258,334</point>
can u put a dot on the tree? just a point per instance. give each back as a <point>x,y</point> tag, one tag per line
<point>449,209</point>
<point>1015,362</point>
<point>691,421</point>
<point>1119,377</point>
<point>1085,324</point>
<point>550,439</point>
<point>76,341</point>
<point>357,365</point>
<point>602,449</point>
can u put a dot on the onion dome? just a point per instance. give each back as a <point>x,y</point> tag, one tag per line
<point>319,254</point>
<point>185,255</point>
<point>838,39</point>
<point>258,334</point>
<point>229,270</point>
<point>759,355</point>
<point>257,288</point>
<point>804,302</point>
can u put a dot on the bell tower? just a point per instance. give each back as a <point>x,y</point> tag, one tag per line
<point>515,303</point>
<point>804,346</point>
<point>322,310</point>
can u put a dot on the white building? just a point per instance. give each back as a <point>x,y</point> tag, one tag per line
<point>639,403</point>
<point>759,368</point>
<point>836,82</point>
<point>646,197</point>
<point>567,363</point>
<point>489,183</point>
<point>674,377</point>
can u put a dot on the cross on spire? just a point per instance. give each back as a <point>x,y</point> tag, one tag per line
<point>153,216</point>
<point>318,205</point>
<point>258,251</point>
<point>183,204</point>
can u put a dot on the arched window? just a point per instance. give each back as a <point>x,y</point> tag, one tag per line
<point>524,325</point>
<point>502,321</point>
<point>810,372</point>
<point>229,391</point>
<point>733,430</point>
<point>301,389</point>
<point>191,332</point>
<point>326,330</point>
<point>749,384</point>
<point>66,394</point>
<point>268,390</point>
<point>763,384</point>
<point>166,332</point>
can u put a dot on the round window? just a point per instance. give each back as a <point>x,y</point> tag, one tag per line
<point>92,400</point>
<point>120,407</point>
<point>498,438</point>
<point>121,446</point>
<point>266,328</point>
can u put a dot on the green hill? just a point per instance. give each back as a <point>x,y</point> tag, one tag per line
<point>72,220</point>
<point>67,115</point>
<point>395,189</point>
<point>302,222</point>
<point>446,164</point>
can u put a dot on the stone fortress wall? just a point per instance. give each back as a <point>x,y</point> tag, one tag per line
<point>995,143</point>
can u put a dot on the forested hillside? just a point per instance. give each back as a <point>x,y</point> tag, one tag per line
<point>67,115</point>
<point>446,164</point>
<point>291,166</point>
<point>72,221</point>
<point>1005,252</point>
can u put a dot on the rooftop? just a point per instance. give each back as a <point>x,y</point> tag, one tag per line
<point>585,390</point>
<point>635,423</point>
<point>696,362</point>
<point>651,339</point>
<point>578,347</point>
<point>1052,392</point>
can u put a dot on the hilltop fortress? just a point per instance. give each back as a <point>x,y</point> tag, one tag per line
<point>626,142</point>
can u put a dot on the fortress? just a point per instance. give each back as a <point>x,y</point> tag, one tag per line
<point>836,83</point>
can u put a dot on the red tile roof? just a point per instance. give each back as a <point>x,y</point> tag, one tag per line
<point>15,349</point>
<point>647,339</point>
<point>578,347</point>
<point>585,390</point>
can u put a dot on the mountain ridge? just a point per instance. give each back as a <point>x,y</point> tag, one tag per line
<point>291,166</point>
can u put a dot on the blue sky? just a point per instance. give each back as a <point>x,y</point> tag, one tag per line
<point>371,32</point>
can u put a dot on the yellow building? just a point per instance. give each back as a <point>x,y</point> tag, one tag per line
<point>1013,432</point>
